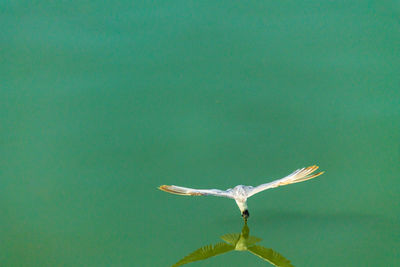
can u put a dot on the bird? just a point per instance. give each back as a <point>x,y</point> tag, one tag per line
<point>241,193</point>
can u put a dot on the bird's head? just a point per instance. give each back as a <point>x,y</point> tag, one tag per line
<point>245,214</point>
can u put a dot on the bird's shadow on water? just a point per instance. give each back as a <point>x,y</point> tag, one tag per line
<point>242,241</point>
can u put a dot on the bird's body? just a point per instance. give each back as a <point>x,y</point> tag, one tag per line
<point>240,193</point>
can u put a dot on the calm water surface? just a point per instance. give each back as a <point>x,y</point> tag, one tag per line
<point>100,103</point>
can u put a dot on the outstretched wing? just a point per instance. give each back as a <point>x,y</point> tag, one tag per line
<point>179,190</point>
<point>270,255</point>
<point>297,176</point>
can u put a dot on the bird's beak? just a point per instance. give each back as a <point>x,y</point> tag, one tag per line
<point>245,215</point>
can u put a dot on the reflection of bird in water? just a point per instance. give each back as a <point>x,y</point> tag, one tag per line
<point>240,242</point>
<point>240,193</point>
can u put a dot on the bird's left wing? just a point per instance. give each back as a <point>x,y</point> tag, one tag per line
<point>297,176</point>
<point>185,191</point>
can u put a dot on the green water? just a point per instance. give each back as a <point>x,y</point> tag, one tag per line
<point>102,102</point>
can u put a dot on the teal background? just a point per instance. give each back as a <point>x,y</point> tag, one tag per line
<point>102,102</point>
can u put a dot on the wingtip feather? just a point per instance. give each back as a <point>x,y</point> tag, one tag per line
<point>162,187</point>
<point>177,190</point>
<point>167,188</point>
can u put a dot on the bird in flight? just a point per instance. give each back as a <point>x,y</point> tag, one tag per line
<point>241,193</point>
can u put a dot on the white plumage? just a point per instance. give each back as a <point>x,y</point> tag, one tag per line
<point>241,193</point>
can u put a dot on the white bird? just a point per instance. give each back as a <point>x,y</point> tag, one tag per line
<point>241,193</point>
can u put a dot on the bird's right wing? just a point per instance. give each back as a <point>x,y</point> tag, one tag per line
<point>185,191</point>
<point>297,176</point>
